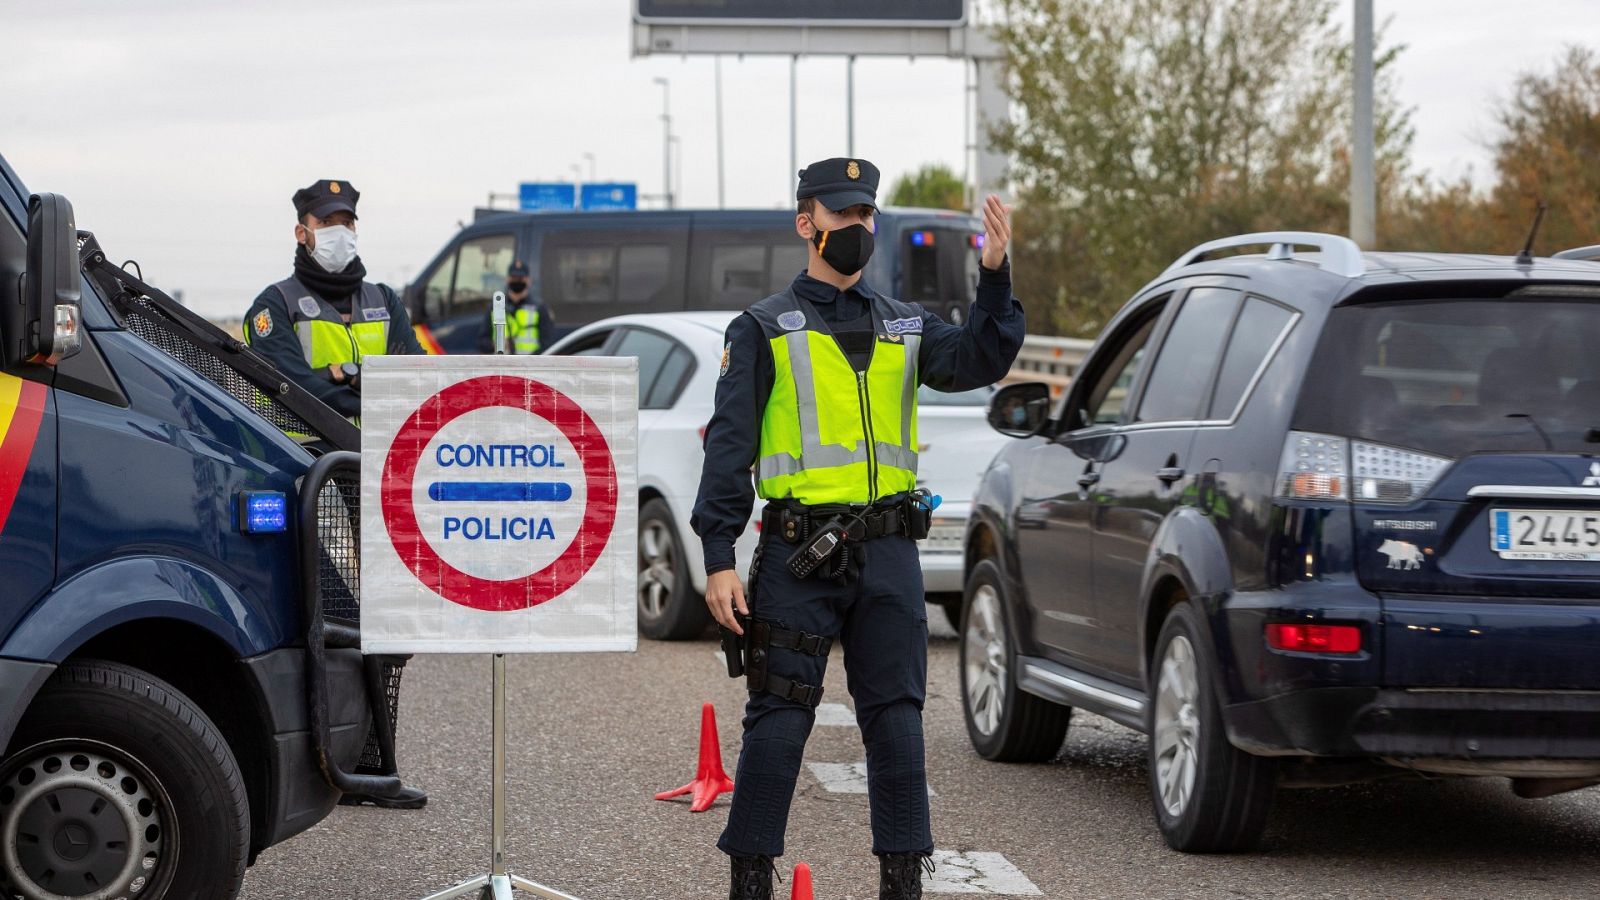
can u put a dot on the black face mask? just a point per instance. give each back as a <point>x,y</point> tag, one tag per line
<point>845,249</point>
<point>517,286</point>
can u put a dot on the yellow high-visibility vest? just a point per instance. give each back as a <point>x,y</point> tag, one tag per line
<point>830,434</point>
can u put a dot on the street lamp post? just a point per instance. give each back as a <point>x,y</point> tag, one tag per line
<point>666,140</point>
<point>590,158</point>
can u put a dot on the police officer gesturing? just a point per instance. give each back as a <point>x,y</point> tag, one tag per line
<point>319,323</point>
<point>818,395</point>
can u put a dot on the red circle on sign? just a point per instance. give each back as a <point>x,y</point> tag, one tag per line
<point>400,515</point>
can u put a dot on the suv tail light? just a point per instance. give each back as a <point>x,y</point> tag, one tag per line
<point>1314,638</point>
<point>1328,467</point>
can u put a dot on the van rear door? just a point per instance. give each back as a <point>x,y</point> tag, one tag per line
<point>936,260</point>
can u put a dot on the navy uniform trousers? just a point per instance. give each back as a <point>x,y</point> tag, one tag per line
<point>881,621</point>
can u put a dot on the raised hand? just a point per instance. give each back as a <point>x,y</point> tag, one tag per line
<point>996,231</point>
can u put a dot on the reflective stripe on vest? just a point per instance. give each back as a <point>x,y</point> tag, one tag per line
<point>325,338</point>
<point>830,434</point>
<point>523,325</point>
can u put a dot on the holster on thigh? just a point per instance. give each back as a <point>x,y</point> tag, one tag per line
<point>761,638</point>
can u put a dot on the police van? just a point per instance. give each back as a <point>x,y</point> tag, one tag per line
<point>181,684</point>
<point>588,266</point>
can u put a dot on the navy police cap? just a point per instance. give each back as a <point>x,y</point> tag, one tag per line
<point>840,183</point>
<point>519,269</point>
<point>325,198</point>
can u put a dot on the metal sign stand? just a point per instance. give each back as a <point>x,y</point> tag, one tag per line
<point>497,885</point>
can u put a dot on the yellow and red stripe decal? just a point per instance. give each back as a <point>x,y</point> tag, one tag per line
<point>426,339</point>
<point>21,410</point>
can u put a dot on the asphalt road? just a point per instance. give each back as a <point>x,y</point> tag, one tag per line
<point>593,737</point>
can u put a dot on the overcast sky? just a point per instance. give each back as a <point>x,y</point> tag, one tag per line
<point>180,128</point>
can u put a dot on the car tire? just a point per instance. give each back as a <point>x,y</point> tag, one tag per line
<point>1004,723</point>
<point>669,608</point>
<point>118,785</point>
<point>951,602</point>
<point>1209,796</point>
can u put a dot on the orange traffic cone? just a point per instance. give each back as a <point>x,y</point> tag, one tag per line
<point>709,780</point>
<point>802,883</point>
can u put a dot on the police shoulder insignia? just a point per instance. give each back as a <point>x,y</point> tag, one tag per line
<point>262,323</point>
<point>793,320</point>
<point>727,351</point>
<point>309,307</point>
<point>853,170</point>
<point>898,327</point>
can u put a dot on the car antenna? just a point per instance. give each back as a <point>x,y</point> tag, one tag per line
<point>1525,258</point>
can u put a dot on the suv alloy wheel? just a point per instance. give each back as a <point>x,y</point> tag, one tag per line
<point>1209,796</point>
<point>1004,723</point>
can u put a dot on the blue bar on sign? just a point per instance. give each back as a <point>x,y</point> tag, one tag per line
<point>507,491</point>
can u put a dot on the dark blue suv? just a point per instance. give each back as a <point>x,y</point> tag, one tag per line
<point>1304,519</point>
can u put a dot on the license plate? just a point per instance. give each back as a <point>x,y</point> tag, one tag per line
<point>1572,536</point>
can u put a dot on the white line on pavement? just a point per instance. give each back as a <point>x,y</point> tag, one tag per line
<point>977,872</point>
<point>843,778</point>
<point>836,714</point>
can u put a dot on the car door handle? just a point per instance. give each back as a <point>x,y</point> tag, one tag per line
<point>1089,479</point>
<point>1169,474</point>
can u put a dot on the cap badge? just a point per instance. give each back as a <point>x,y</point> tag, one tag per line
<point>333,186</point>
<point>853,170</point>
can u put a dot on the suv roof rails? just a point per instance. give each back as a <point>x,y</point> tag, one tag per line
<point>1590,253</point>
<point>1340,255</point>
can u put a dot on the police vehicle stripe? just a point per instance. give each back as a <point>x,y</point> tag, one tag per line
<point>21,410</point>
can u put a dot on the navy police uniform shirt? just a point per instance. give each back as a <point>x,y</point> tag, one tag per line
<point>951,358</point>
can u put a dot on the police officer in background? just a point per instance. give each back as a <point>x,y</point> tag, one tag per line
<point>818,394</point>
<point>527,321</point>
<point>318,324</point>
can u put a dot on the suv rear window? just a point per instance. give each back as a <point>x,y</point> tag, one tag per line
<point>1454,377</point>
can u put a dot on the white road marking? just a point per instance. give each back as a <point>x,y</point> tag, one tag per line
<point>976,872</point>
<point>836,715</point>
<point>843,778</point>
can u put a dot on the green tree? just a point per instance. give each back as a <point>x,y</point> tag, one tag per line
<point>1144,127</point>
<point>933,186</point>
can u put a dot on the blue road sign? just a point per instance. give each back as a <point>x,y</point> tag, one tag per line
<point>555,195</point>
<point>618,195</point>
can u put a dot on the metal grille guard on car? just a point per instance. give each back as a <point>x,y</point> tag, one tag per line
<point>330,561</point>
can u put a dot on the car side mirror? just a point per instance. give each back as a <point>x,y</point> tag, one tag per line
<point>43,328</point>
<point>1020,410</point>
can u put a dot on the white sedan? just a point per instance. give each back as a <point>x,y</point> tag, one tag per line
<point>680,355</point>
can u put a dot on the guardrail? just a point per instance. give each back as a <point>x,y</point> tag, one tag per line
<point>1052,360</point>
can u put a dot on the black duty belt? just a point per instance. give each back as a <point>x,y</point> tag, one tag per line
<point>794,523</point>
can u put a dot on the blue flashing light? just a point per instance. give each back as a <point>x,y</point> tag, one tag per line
<point>263,512</point>
<point>922,239</point>
<point>977,242</point>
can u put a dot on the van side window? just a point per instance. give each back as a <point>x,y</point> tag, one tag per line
<point>642,273</point>
<point>1189,353</point>
<point>481,268</point>
<point>788,260</point>
<point>582,275</point>
<point>1260,325</point>
<point>738,275</point>
<point>436,294</point>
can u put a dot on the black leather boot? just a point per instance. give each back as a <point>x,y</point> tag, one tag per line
<point>752,878</point>
<point>900,876</point>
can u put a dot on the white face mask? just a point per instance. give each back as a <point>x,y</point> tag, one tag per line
<point>336,247</point>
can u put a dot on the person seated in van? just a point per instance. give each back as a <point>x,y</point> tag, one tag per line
<point>318,324</point>
<point>528,321</point>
